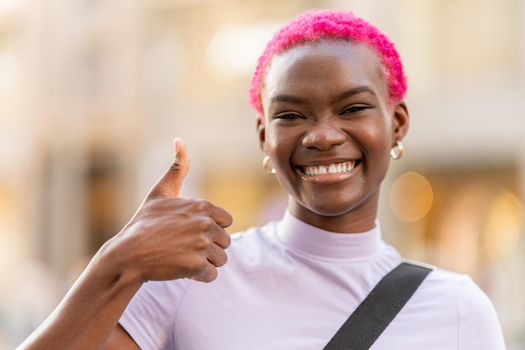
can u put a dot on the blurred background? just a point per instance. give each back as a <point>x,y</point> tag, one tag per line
<point>92,93</point>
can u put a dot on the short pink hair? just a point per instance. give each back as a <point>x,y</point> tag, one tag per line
<point>313,26</point>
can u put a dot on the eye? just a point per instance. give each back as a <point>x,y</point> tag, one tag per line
<point>355,109</point>
<point>288,116</point>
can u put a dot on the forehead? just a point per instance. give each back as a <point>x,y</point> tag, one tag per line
<point>326,66</point>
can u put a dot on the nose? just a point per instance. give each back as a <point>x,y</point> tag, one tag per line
<point>323,135</point>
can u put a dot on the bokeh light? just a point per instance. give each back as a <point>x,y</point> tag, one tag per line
<point>234,49</point>
<point>503,225</point>
<point>481,223</point>
<point>416,187</point>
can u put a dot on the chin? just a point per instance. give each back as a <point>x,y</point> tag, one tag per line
<point>342,203</point>
<point>330,208</point>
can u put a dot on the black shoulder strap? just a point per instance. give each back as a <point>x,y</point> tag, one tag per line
<point>379,308</point>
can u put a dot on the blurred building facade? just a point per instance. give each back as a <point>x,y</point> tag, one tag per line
<point>92,93</point>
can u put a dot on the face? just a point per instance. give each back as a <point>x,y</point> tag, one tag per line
<point>328,129</point>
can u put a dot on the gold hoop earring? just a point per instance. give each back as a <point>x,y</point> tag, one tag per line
<point>266,165</point>
<point>397,151</point>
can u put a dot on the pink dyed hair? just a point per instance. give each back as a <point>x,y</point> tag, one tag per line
<point>313,26</point>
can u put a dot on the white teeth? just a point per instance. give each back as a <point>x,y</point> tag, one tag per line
<point>336,168</point>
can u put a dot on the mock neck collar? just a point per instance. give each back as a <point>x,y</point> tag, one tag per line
<point>314,242</point>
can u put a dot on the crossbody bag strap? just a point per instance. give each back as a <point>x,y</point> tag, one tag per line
<point>379,308</point>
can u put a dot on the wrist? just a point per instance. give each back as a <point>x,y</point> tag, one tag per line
<point>114,264</point>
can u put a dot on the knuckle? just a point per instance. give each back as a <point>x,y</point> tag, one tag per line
<point>207,224</point>
<point>191,202</point>
<point>174,168</point>
<point>202,242</point>
<point>182,216</point>
<point>197,265</point>
<point>203,205</point>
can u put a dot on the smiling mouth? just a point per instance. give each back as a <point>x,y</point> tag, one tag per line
<point>328,173</point>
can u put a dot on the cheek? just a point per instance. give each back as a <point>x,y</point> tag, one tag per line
<point>375,139</point>
<point>280,147</point>
<point>280,151</point>
<point>279,142</point>
<point>378,137</point>
<point>379,153</point>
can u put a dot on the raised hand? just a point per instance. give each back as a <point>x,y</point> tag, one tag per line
<point>171,237</point>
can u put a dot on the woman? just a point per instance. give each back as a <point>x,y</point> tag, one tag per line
<point>328,91</point>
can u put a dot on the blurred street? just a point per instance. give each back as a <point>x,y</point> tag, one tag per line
<point>92,93</point>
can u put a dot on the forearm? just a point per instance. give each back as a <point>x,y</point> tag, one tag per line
<point>89,312</point>
<point>168,238</point>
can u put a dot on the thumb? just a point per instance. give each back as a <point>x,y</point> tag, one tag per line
<point>170,183</point>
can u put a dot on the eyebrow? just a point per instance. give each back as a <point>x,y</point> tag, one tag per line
<point>354,91</point>
<point>287,98</point>
<point>345,94</point>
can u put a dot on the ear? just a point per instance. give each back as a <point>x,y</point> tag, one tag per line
<point>400,121</point>
<point>261,131</point>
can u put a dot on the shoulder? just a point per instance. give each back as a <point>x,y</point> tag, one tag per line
<point>459,297</point>
<point>449,311</point>
<point>468,299</point>
<point>478,322</point>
